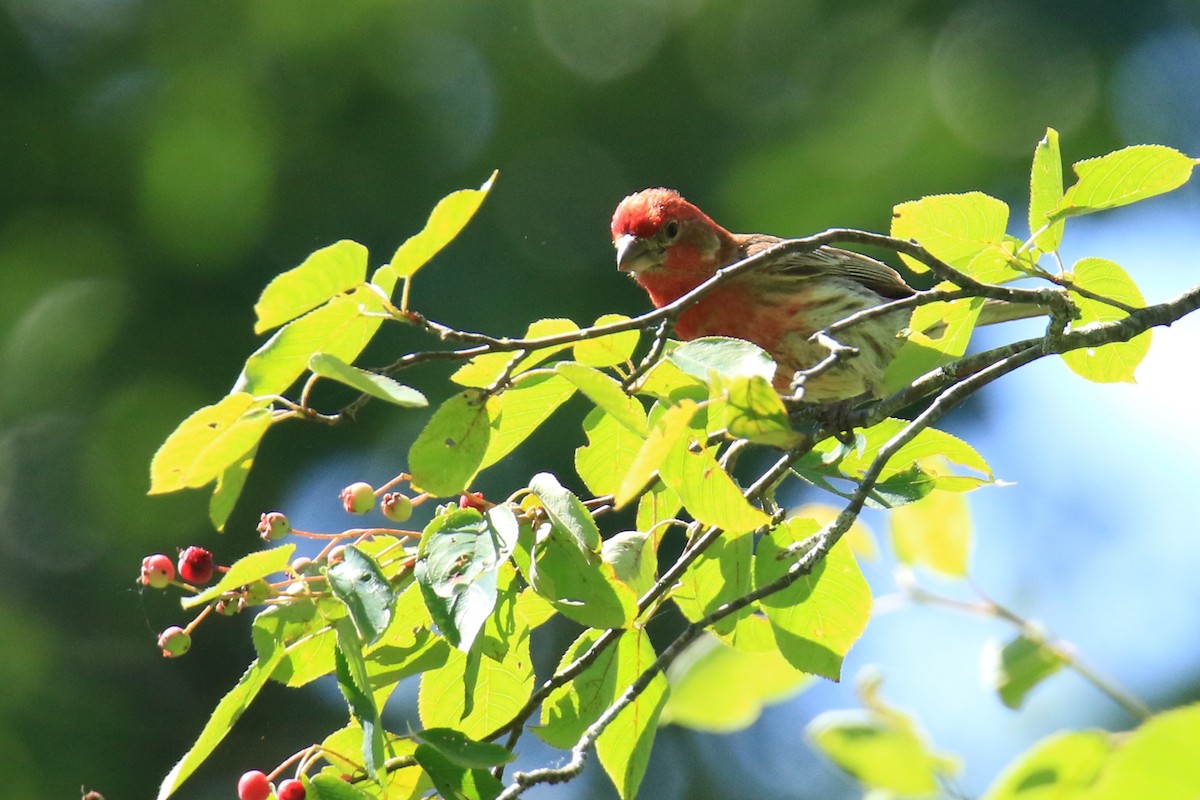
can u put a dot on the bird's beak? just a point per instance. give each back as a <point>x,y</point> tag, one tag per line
<point>635,254</point>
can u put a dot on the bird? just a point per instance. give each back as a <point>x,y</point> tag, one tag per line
<point>669,247</point>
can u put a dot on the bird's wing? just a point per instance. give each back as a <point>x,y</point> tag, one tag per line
<point>827,261</point>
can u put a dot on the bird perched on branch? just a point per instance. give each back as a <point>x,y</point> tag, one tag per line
<point>670,246</point>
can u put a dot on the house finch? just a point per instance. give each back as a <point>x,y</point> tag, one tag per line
<point>669,247</point>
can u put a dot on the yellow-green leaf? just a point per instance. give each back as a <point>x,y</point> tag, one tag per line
<point>607,457</point>
<point>229,488</point>
<point>934,532</point>
<point>1014,669</point>
<point>321,277</point>
<point>245,570</point>
<point>372,383</point>
<point>1114,362</point>
<point>1062,766</point>
<point>1122,177</point>
<point>939,334</point>
<point>753,410</point>
<point>1158,760</point>
<point>208,443</point>
<point>482,371</point>
<point>878,750</point>
<point>520,409</point>
<point>500,689</point>
<point>662,438</point>
<point>929,442</point>
<point>447,454</point>
<point>624,746</point>
<point>1045,192</point>
<point>707,491</point>
<point>448,218</point>
<point>608,351</point>
<point>953,227</point>
<point>723,572</point>
<point>606,393</point>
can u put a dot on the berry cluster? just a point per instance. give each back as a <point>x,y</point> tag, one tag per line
<point>255,785</point>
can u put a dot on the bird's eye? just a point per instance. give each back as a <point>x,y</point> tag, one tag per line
<point>671,230</point>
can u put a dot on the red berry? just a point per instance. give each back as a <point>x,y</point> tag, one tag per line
<point>473,500</point>
<point>174,642</point>
<point>291,789</point>
<point>273,526</point>
<point>254,786</point>
<point>396,506</point>
<point>358,498</point>
<point>157,571</point>
<point>195,565</point>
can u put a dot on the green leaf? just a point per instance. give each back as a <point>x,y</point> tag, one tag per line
<point>879,750</point>
<point>611,350</point>
<point>358,582</point>
<point>229,487</point>
<point>1114,362</point>
<point>483,370</point>
<point>464,751</point>
<point>723,572</point>
<point>707,491</point>
<point>953,227</point>
<point>321,277</point>
<point>302,629</point>
<point>663,438</point>
<point>607,457</point>
<point>371,383</point>
<point>657,505</point>
<point>939,334</point>
<point>566,511</point>
<point>453,781</point>
<point>606,393</point>
<point>448,453</point>
<point>332,787</point>
<point>209,442</point>
<point>1014,669</point>
<point>719,689</point>
<point>730,358</point>
<point>929,442</point>
<point>1155,761</point>
<point>818,617</point>
<point>578,583</point>
<point>571,708</point>
<point>227,712</point>
<point>624,746</point>
<point>520,409</point>
<point>246,569</point>
<point>669,384</point>
<point>1123,177</point>
<point>448,218</point>
<point>456,569</point>
<point>633,559</point>
<point>342,328</point>
<point>934,532</point>
<point>500,688</point>
<point>355,684</point>
<point>1062,766</point>
<point>754,411</point>
<point>1045,192</point>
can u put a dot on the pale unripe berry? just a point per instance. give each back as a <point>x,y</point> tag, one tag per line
<point>157,571</point>
<point>273,526</point>
<point>174,642</point>
<point>254,786</point>
<point>358,498</point>
<point>396,507</point>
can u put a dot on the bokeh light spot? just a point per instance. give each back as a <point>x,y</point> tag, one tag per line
<point>602,40</point>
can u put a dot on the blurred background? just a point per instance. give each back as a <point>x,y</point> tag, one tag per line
<point>161,161</point>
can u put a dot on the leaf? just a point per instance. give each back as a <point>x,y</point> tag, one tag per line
<point>921,352</point>
<point>1114,362</point>
<point>452,780</point>
<point>878,750</point>
<point>934,532</point>
<point>501,688</point>
<point>358,582</point>
<point>208,443</point>
<point>342,328</point>
<point>1045,193</point>
<point>610,350</point>
<point>624,746</point>
<point>663,438</point>
<point>707,491</point>
<point>520,409</point>
<point>929,442</point>
<point>483,370</point>
<point>229,487</point>
<point>245,570</point>
<point>1155,761</point>
<point>633,559</point>
<point>449,451</point>
<point>1060,767</point>
<point>302,628</point>
<point>380,386</point>
<point>354,682</point>
<point>446,221</point>
<point>456,569</point>
<point>730,358</point>
<point>578,583</point>
<point>1014,669</point>
<point>753,410</point>
<point>669,384</point>
<point>464,751</point>
<point>1123,177</point>
<point>723,572</point>
<point>566,510</point>
<point>610,452</point>
<point>719,689</point>
<point>821,615</point>
<point>227,712</point>
<point>859,536</point>
<point>321,277</point>
<point>953,227</point>
<point>607,394</point>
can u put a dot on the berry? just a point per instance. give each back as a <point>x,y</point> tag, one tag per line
<point>195,565</point>
<point>273,526</point>
<point>174,642</point>
<point>337,554</point>
<point>473,500</point>
<point>157,571</point>
<point>253,786</point>
<point>358,498</point>
<point>396,507</point>
<point>300,565</point>
<point>291,789</point>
